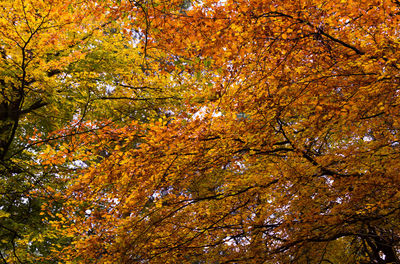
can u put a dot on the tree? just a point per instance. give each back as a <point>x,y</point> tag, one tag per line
<point>287,150</point>
<point>35,47</point>
<point>62,63</point>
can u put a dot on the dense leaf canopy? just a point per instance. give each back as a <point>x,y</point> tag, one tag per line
<point>247,131</point>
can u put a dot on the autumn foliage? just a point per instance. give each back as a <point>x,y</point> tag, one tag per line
<point>250,131</point>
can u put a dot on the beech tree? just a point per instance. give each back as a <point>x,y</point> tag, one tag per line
<point>62,63</point>
<point>281,148</point>
<point>35,49</point>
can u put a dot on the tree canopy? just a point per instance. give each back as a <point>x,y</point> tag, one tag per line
<point>246,131</point>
